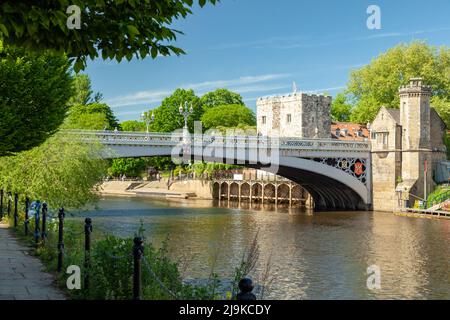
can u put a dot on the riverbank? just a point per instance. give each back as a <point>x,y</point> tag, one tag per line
<point>21,275</point>
<point>192,189</point>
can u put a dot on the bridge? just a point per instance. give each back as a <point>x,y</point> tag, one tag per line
<point>336,173</point>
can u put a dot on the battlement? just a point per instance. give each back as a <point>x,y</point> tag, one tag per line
<point>416,85</point>
<point>294,96</point>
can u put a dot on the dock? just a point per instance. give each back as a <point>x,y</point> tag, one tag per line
<point>423,213</point>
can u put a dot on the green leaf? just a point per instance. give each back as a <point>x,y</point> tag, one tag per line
<point>4,30</point>
<point>132,30</point>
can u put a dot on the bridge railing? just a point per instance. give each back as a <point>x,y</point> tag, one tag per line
<point>171,139</point>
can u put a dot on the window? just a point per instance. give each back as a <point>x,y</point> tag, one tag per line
<point>289,118</point>
<point>344,132</point>
<point>338,132</point>
<point>264,119</point>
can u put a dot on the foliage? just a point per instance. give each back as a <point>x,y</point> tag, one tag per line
<point>440,194</point>
<point>130,167</point>
<point>62,171</point>
<point>132,125</point>
<point>117,29</point>
<point>246,265</point>
<point>168,117</point>
<point>377,84</point>
<point>83,91</point>
<point>340,109</point>
<point>161,163</point>
<point>220,97</point>
<point>34,90</point>
<point>84,116</point>
<point>92,121</point>
<point>228,116</point>
<point>442,106</point>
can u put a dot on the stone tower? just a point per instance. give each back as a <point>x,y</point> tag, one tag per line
<point>416,141</point>
<point>295,115</point>
<point>406,145</point>
<point>415,115</point>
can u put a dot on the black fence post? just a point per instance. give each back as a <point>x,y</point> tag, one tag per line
<point>138,251</point>
<point>246,288</point>
<point>27,207</point>
<point>1,204</point>
<point>60,239</point>
<point>44,222</point>
<point>8,210</point>
<point>16,216</point>
<point>36,222</point>
<point>87,250</point>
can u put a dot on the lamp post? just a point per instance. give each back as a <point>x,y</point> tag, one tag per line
<point>147,119</point>
<point>186,113</point>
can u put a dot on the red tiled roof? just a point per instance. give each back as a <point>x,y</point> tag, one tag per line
<point>350,129</point>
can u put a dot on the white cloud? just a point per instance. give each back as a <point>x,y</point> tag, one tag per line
<point>241,85</point>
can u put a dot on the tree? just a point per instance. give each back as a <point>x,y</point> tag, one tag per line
<point>133,125</point>
<point>220,97</point>
<point>34,90</point>
<point>83,91</point>
<point>130,167</point>
<point>86,116</point>
<point>442,106</point>
<point>117,29</point>
<point>377,84</point>
<point>228,116</point>
<point>63,171</point>
<point>90,121</point>
<point>340,109</point>
<point>168,117</point>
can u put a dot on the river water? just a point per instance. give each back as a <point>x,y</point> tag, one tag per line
<point>311,256</point>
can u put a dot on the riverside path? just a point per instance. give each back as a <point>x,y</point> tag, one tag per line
<point>21,275</point>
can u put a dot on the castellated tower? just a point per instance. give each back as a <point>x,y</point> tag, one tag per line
<point>416,140</point>
<point>295,115</point>
<point>415,115</point>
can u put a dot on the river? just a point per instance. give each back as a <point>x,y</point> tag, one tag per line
<point>311,256</point>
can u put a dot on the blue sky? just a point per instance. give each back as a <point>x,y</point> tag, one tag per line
<point>259,47</point>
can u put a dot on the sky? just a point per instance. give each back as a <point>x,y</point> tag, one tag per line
<point>260,47</point>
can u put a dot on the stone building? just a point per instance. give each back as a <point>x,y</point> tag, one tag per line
<point>407,144</point>
<point>294,115</point>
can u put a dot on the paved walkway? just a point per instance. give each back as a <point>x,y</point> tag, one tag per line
<point>21,275</point>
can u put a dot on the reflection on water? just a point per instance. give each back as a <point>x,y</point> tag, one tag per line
<point>313,256</point>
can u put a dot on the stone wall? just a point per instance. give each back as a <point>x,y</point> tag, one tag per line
<point>294,115</point>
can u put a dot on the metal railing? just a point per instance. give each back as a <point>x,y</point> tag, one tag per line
<point>172,139</point>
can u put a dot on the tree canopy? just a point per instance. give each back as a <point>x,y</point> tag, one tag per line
<point>341,109</point>
<point>220,97</point>
<point>377,84</point>
<point>168,117</point>
<point>115,28</point>
<point>92,116</point>
<point>62,171</point>
<point>228,116</point>
<point>83,93</point>
<point>34,91</point>
<point>130,167</point>
<point>132,125</point>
